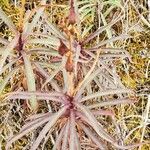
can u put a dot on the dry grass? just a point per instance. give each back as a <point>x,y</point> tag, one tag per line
<point>133,120</point>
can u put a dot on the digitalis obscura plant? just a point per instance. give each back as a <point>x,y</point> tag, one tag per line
<point>78,78</point>
<point>16,51</point>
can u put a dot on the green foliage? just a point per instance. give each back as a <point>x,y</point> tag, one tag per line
<point>65,71</point>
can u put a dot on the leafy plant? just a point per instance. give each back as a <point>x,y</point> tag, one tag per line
<point>16,50</point>
<point>73,71</point>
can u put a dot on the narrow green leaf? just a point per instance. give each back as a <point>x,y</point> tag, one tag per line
<point>100,30</point>
<point>86,31</point>
<point>65,138</point>
<point>111,103</point>
<point>59,138</point>
<point>55,31</point>
<point>113,39</point>
<point>9,65</point>
<point>8,21</point>
<point>107,92</point>
<point>72,131</point>
<point>51,41</point>
<point>54,73</point>
<point>5,81</point>
<point>91,77</point>
<point>3,41</point>
<point>30,80</point>
<point>7,51</point>
<point>108,30</point>
<point>93,137</point>
<point>27,130</point>
<point>94,123</point>
<point>36,18</point>
<point>47,127</point>
<point>46,75</point>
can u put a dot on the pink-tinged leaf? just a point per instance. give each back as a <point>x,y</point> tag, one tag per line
<point>36,121</point>
<point>89,119</point>
<point>9,65</point>
<point>48,126</point>
<point>109,50</point>
<point>128,147</point>
<point>103,112</point>
<point>113,39</point>
<point>77,17</point>
<point>103,93</point>
<point>54,96</point>
<point>24,132</point>
<point>42,94</point>
<point>77,142</point>
<point>111,103</point>
<point>51,41</point>
<point>27,15</point>
<point>81,116</point>
<point>55,31</point>
<point>76,60</point>
<point>3,41</point>
<point>72,131</point>
<point>94,123</point>
<point>30,80</point>
<point>26,97</point>
<point>35,19</point>
<point>54,73</point>
<point>112,73</point>
<point>96,33</point>
<point>45,74</point>
<point>37,116</point>
<point>7,51</point>
<point>108,56</point>
<point>41,70</point>
<point>57,144</point>
<point>88,73</point>
<point>89,79</point>
<point>44,50</point>
<point>115,50</point>
<point>6,79</point>
<point>8,21</point>
<point>93,137</point>
<point>65,138</point>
